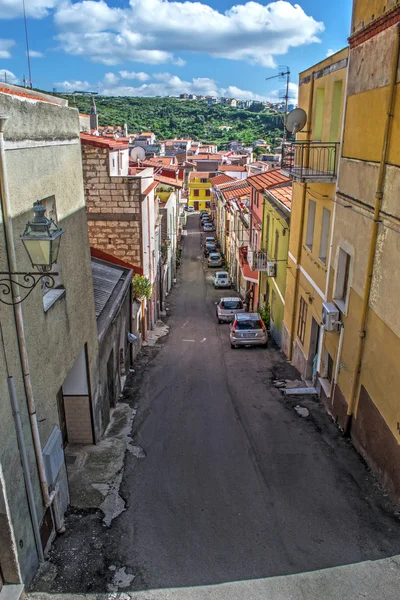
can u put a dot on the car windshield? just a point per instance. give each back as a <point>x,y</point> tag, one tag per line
<point>232,304</point>
<point>248,324</point>
<point>210,240</point>
<point>222,275</point>
<point>214,256</point>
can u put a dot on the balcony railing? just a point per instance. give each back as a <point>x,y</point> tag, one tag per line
<point>257,260</point>
<point>311,161</point>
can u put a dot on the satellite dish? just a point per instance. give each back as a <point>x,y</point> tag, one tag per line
<point>296,120</point>
<point>138,153</point>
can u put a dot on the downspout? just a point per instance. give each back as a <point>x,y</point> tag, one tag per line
<point>48,499</point>
<point>302,217</point>
<point>374,233</point>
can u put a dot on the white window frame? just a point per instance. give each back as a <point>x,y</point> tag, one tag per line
<point>324,239</point>
<point>310,224</point>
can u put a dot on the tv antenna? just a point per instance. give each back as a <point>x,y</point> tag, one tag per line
<point>27,45</point>
<point>284,73</point>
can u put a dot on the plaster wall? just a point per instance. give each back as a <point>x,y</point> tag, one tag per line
<point>45,137</point>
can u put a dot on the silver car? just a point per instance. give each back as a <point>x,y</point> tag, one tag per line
<point>222,280</point>
<point>248,330</point>
<point>227,308</point>
<point>215,260</point>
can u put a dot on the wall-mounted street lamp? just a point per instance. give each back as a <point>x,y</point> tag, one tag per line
<point>41,239</point>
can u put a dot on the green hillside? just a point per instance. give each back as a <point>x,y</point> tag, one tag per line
<point>170,117</point>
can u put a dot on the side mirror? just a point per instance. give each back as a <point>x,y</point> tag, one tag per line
<point>215,303</point>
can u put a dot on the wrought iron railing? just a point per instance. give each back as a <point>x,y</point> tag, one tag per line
<point>257,260</point>
<point>311,160</point>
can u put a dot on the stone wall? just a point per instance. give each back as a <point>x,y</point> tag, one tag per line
<point>113,206</point>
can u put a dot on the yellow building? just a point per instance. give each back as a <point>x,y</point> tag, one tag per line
<point>312,164</point>
<point>365,266</point>
<point>199,185</point>
<point>275,242</point>
<point>357,365</point>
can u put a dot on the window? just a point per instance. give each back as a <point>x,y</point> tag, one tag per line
<point>319,110</point>
<point>301,328</point>
<point>273,298</point>
<point>336,105</point>
<point>323,246</point>
<point>310,224</point>
<point>207,203</point>
<point>232,304</point>
<point>195,192</point>
<point>276,249</point>
<point>343,278</point>
<point>202,180</point>
<point>267,231</point>
<point>249,324</point>
<point>50,295</point>
<point>208,193</point>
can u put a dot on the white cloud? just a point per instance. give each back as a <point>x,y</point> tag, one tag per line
<point>36,54</point>
<point>8,76</point>
<point>72,85</point>
<point>5,46</point>
<point>37,9</point>
<point>330,52</point>
<point>276,95</point>
<point>153,31</point>
<point>140,76</point>
<point>111,79</point>
<point>166,84</point>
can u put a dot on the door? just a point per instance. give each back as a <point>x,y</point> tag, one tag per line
<point>196,205</point>
<point>110,379</point>
<point>61,417</point>
<point>1,579</point>
<point>313,352</point>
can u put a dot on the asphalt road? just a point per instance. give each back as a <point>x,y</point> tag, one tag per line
<point>235,489</point>
<point>235,484</point>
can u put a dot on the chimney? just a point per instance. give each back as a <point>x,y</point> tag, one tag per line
<point>125,129</point>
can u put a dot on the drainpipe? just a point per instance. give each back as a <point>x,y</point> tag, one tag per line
<point>374,233</point>
<point>48,498</point>
<point>302,217</point>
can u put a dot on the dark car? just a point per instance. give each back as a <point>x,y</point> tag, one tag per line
<point>209,247</point>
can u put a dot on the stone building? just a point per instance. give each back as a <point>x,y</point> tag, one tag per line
<point>122,210</point>
<point>56,381</point>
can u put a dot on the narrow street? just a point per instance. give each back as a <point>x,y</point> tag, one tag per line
<point>235,485</point>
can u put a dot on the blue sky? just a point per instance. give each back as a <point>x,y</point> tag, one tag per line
<point>163,47</point>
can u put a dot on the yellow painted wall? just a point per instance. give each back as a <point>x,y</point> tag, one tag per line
<point>366,11</point>
<point>202,198</point>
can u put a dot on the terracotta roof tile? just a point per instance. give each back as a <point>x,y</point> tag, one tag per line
<point>283,194</point>
<point>103,142</point>
<point>169,181</point>
<point>239,168</point>
<point>24,93</point>
<point>268,179</point>
<point>221,179</point>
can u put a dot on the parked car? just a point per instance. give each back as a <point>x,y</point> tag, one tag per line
<point>205,220</point>
<point>204,213</point>
<point>208,227</point>
<point>228,308</point>
<point>210,240</point>
<point>248,330</point>
<point>190,208</point>
<point>215,260</point>
<point>208,248</point>
<point>222,280</point>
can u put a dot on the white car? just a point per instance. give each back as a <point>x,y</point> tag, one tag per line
<point>248,330</point>
<point>190,208</point>
<point>221,279</point>
<point>228,308</point>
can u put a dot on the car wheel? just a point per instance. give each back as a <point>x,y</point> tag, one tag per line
<point>233,346</point>
<point>219,321</point>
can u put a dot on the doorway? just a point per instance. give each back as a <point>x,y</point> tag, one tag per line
<point>61,417</point>
<point>196,205</point>
<point>313,351</point>
<point>1,579</point>
<point>110,379</point>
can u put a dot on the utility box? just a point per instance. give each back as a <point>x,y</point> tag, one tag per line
<point>330,316</point>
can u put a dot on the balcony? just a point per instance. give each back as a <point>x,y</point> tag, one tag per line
<point>248,273</point>
<point>311,161</point>
<point>257,260</point>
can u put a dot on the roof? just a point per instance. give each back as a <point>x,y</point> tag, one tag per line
<point>239,168</point>
<point>161,161</point>
<point>146,133</point>
<point>200,175</point>
<point>268,179</point>
<point>150,188</point>
<point>283,194</point>
<point>103,142</point>
<point>110,258</point>
<point>105,279</point>
<point>24,93</point>
<point>236,189</point>
<point>169,181</point>
<point>221,179</point>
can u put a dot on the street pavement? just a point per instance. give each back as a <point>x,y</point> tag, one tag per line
<point>236,492</point>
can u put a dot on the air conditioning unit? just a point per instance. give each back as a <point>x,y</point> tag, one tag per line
<point>330,316</point>
<point>271,269</point>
